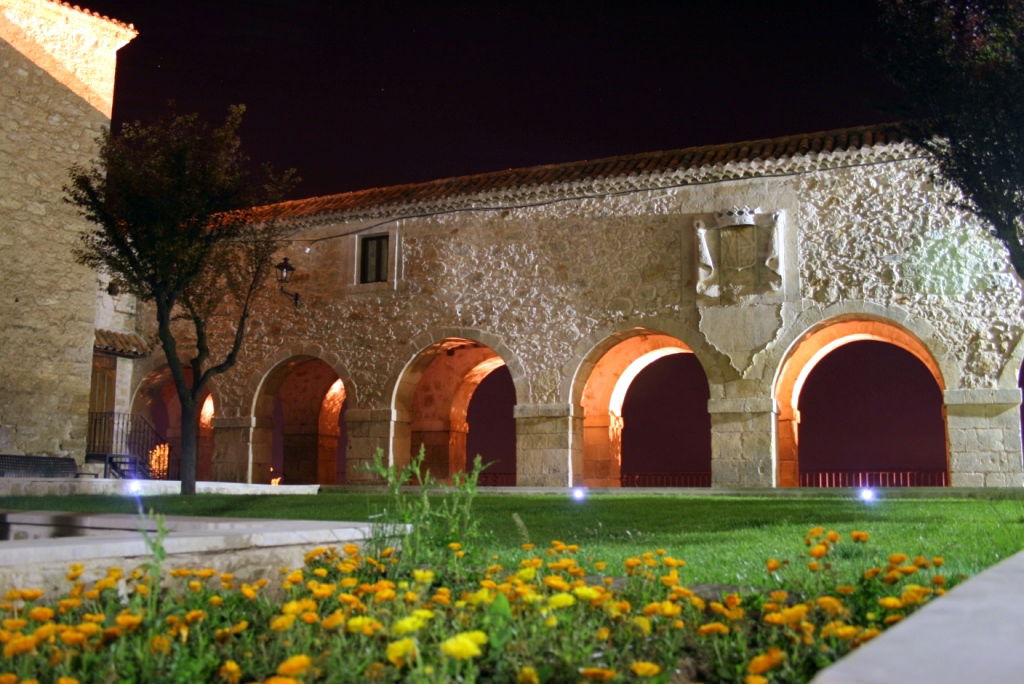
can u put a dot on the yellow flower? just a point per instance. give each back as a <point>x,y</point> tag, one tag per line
<point>527,675</point>
<point>66,680</point>
<point>771,658</point>
<point>815,532</point>
<point>362,624</point>
<point>295,665</point>
<point>31,594</point>
<point>897,559</point>
<point>859,536</point>
<point>279,679</point>
<point>561,600</point>
<point>601,674</point>
<point>819,551</point>
<point>550,621</point>
<point>755,679</point>
<point>407,624</point>
<point>642,623</point>
<point>402,651</point>
<point>455,546</point>
<point>230,672</point>
<point>890,603</point>
<point>603,633</point>
<point>846,589</point>
<point>643,668</point>
<point>460,647</point>
<point>280,623</point>
<point>423,576</point>
<point>587,593</point>
<point>14,624</point>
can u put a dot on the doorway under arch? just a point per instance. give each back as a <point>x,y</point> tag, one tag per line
<point>630,376</point>
<point>844,413</point>
<point>300,425</point>
<point>432,401</point>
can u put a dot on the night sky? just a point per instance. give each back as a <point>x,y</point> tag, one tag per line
<point>364,94</point>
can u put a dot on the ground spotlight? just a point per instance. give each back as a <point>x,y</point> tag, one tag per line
<point>579,493</point>
<point>134,487</point>
<point>867,494</point>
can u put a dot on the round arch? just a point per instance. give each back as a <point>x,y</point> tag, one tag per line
<point>803,355</point>
<point>598,391</point>
<point>431,398</point>
<point>156,420</point>
<point>298,431</point>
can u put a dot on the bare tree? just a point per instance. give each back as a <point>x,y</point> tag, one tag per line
<point>170,202</point>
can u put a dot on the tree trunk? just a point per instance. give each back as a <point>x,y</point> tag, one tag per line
<point>189,445</point>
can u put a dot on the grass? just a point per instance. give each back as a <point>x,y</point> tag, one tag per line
<point>619,606</point>
<point>723,539</point>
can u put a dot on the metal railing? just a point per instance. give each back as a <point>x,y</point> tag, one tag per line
<point>496,479</point>
<point>873,478</point>
<point>123,441</point>
<point>665,479</point>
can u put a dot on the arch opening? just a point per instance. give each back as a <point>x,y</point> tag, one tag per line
<point>433,402</point>
<point>859,403</point>
<point>645,418</point>
<point>299,435</point>
<point>156,420</point>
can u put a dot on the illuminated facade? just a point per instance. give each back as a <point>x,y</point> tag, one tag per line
<point>738,272</point>
<point>754,261</point>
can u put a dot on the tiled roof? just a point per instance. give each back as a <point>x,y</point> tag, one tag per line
<point>649,163</point>
<point>121,344</point>
<point>104,17</point>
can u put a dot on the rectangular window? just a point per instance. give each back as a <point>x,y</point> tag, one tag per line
<point>373,259</point>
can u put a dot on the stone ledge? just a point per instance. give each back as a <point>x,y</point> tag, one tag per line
<point>973,634</point>
<point>750,405</point>
<point>1000,397</point>
<point>543,411</point>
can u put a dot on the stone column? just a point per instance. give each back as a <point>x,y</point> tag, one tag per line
<point>984,437</point>
<point>547,455</point>
<point>232,449</point>
<point>602,449</point>
<point>370,430</point>
<point>741,442</point>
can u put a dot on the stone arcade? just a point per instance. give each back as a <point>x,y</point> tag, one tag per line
<point>756,260</point>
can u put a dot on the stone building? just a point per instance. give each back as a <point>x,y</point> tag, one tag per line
<point>753,261</point>
<point>60,328</point>
<point>738,272</point>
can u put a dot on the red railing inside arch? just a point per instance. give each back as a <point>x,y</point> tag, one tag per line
<point>665,479</point>
<point>873,478</point>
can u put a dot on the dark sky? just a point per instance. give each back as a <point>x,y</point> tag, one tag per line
<point>363,94</point>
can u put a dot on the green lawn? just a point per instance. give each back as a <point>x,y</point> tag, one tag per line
<point>723,539</point>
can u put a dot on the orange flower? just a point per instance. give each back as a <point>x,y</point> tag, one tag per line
<point>230,672</point>
<point>771,658</point>
<point>713,628</point>
<point>601,674</point>
<point>772,565</point>
<point>642,668</point>
<point>296,665</point>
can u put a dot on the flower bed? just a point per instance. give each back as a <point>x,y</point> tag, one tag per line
<point>552,614</point>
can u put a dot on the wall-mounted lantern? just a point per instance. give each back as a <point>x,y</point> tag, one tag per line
<point>284,270</point>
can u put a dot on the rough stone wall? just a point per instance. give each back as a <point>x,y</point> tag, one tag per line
<point>891,236</point>
<point>56,85</point>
